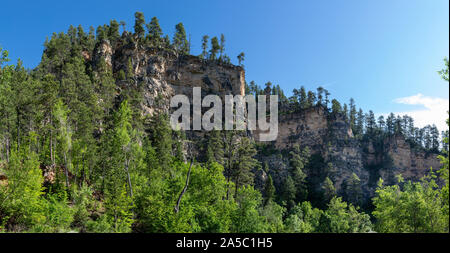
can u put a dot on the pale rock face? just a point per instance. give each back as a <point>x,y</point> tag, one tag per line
<point>409,163</point>
<point>305,129</point>
<point>104,50</point>
<point>332,138</point>
<point>164,74</point>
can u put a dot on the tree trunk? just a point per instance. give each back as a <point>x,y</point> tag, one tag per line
<point>51,142</point>
<point>228,187</point>
<point>8,138</point>
<point>177,207</point>
<point>18,129</point>
<point>8,148</point>
<point>228,177</point>
<point>66,170</point>
<point>236,189</point>
<point>83,172</point>
<point>129,179</point>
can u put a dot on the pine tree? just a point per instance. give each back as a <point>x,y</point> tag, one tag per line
<point>242,167</point>
<point>327,98</point>
<point>162,139</point>
<point>381,123</point>
<point>269,190</point>
<point>297,161</point>
<point>101,33</point>
<point>345,112</point>
<point>329,191</point>
<point>20,199</point>
<point>241,58</point>
<point>64,137</point>
<point>390,124</point>
<point>119,209</point>
<point>398,126</point>
<point>113,33</point>
<point>222,47</point>
<point>434,132</point>
<point>335,107</point>
<point>268,89</point>
<point>215,47</point>
<point>303,98</point>
<point>122,141</point>
<point>155,31</point>
<point>82,37</point>
<point>179,139</point>
<point>288,193</point>
<point>139,23</point>
<point>47,99</point>
<point>320,92</point>
<point>371,123</point>
<point>215,147</point>
<point>180,42</point>
<point>311,99</point>
<point>360,119</point>
<point>23,90</point>
<point>353,190</point>
<point>205,39</point>
<point>352,114</point>
<point>72,33</point>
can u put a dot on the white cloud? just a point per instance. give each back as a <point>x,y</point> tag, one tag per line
<point>435,111</point>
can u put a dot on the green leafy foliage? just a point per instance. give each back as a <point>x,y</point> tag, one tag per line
<point>414,207</point>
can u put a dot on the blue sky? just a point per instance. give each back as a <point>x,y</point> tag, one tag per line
<point>384,54</point>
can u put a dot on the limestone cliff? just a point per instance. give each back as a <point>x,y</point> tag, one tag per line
<point>330,137</point>
<point>162,73</point>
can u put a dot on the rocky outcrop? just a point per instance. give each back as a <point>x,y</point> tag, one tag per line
<point>330,137</point>
<point>411,164</point>
<point>163,73</point>
<point>307,128</point>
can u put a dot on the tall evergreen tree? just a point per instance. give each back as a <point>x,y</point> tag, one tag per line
<point>371,123</point>
<point>329,191</point>
<point>155,31</point>
<point>241,58</point>
<point>139,22</point>
<point>303,98</point>
<point>64,137</point>
<point>215,146</point>
<point>352,114</point>
<point>335,107</point>
<point>180,42</point>
<point>244,163</point>
<point>162,140</point>
<point>215,47</point>
<point>311,99</point>
<point>353,190</point>
<point>298,160</point>
<point>204,53</point>
<point>222,47</point>
<point>113,33</point>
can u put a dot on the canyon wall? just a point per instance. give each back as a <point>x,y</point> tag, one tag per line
<point>162,73</point>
